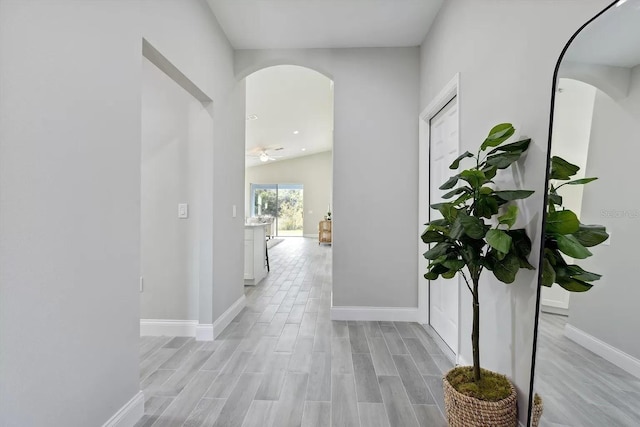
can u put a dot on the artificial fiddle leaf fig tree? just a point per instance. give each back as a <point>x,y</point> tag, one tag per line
<point>475,232</point>
<point>565,235</point>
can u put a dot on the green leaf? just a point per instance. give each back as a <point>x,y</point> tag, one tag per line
<point>503,160</point>
<point>505,270</point>
<point>510,217</point>
<point>432,237</point>
<point>570,246</point>
<point>591,235</point>
<point>486,206</point>
<point>581,181</point>
<point>520,146</point>
<point>490,172</point>
<point>561,169</point>
<point>431,275</point>
<point>513,194</point>
<point>474,177</point>
<point>556,199</point>
<point>449,275</point>
<point>437,251</point>
<point>456,162</point>
<point>455,192</point>
<point>577,272</point>
<point>574,285</point>
<point>562,222</point>
<point>450,183</point>
<point>454,264</point>
<point>499,240</point>
<point>473,226</point>
<point>497,135</point>
<point>521,246</point>
<point>548,273</point>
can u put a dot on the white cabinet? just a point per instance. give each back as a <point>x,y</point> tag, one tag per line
<point>255,251</point>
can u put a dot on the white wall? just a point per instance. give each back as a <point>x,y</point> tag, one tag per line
<point>375,167</point>
<point>505,52</point>
<point>609,311</point>
<point>175,129</point>
<point>314,172</point>
<point>200,50</point>
<point>70,111</point>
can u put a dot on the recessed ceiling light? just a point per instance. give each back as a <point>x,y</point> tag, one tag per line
<point>252,117</point>
<point>304,149</point>
<point>295,132</point>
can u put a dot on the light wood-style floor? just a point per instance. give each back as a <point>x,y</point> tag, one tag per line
<point>579,388</point>
<point>282,362</point>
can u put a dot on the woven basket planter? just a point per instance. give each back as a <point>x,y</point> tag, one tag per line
<point>466,411</point>
<point>536,413</point>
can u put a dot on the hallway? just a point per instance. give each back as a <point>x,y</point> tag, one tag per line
<point>282,362</point>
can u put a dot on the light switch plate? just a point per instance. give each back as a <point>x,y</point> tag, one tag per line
<point>183,210</point>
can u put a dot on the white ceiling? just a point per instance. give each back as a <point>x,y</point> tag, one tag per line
<point>288,98</point>
<point>290,24</point>
<point>612,39</point>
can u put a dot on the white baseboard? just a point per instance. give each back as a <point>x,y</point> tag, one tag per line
<point>313,236</point>
<point>384,314</point>
<point>168,327</point>
<point>604,350</point>
<point>226,317</point>
<point>554,310</point>
<point>204,332</point>
<point>129,414</point>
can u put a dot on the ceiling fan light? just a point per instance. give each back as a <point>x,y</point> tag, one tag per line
<point>264,157</point>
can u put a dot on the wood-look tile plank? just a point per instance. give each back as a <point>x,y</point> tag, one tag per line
<point>429,416</point>
<point>412,381</point>
<point>399,409</point>
<point>222,355</point>
<point>367,388</point>
<point>358,339</point>
<point>205,413</point>
<point>291,403</point>
<point>261,414</point>
<point>382,360</point>
<point>341,362</point>
<point>288,337</point>
<point>344,404</point>
<point>373,415</point>
<point>237,405</point>
<point>339,329</point>
<point>180,409</point>
<point>393,338</point>
<point>319,388</point>
<point>308,324</point>
<point>221,386</point>
<point>316,414</point>
<point>425,363</point>
<point>183,374</point>
<point>277,324</point>
<point>301,357</point>
<point>274,376</point>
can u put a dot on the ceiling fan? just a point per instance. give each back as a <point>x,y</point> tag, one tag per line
<point>263,153</point>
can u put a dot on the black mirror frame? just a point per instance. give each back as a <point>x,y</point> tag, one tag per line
<point>545,201</point>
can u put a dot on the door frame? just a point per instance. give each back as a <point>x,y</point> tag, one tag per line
<point>450,91</point>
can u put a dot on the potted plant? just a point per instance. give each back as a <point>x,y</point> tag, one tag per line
<point>565,236</point>
<point>475,234</point>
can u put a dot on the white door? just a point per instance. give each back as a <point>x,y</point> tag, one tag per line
<point>443,293</point>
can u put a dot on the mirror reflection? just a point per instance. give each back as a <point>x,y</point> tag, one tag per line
<point>588,348</point>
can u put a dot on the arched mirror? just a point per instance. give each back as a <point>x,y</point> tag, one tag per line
<point>587,357</point>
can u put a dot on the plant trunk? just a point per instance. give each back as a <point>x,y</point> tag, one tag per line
<point>475,334</point>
